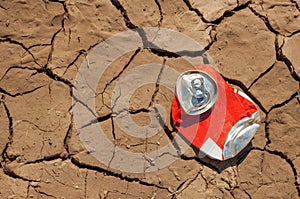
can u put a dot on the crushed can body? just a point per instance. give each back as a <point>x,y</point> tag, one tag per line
<point>223,120</point>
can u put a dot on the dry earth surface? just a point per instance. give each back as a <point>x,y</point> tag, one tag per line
<point>255,45</point>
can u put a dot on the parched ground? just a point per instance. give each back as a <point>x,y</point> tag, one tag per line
<point>254,43</point>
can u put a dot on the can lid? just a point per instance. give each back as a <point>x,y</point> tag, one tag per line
<point>196,91</point>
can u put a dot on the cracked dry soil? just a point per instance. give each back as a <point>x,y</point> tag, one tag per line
<point>255,44</point>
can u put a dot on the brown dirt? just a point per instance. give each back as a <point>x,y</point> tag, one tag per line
<point>255,45</point>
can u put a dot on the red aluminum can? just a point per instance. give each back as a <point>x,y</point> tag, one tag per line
<point>216,118</point>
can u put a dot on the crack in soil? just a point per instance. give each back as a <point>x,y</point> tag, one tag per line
<point>80,53</point>
<point>68,136</point>
<point>11,41</point>
<point>49,59</point>
<point>56,180</point>
<point>9,172</point>
<point>267,122</point>
<point>184,185</point>
<point>191,8</point>
<point>281,57</point>
<point>157,83</point>
<point>268,24</point>
<point>54,76</point>
<point>226,14</point>
<point>114,114</point>
<point>122,10</point>
<point>66,11</point>
<point>11,130</point>
<point>294,33</point>
<point>97,120</point>
<point>148,44</point>
<point>267,132</point>
<point>160,12</point>
<point>45,159</point>
<point>168,132</point>
<point>121,72</point>
<point>265,20</point>
<point>22,93</point>
<point>43,69</point>
<point>293,96</point>
<point>85,184</point>
<point>213,37</point>
<point>17,67</point>
<point>287,160</point>
<point>37,126</point>
<point>83,104</point>
<point>43,193</point>
<point>260,76</point>
<point>27,190</point>
<point>38,45</point>
<point>3,7</point>
<point>83,165</point>
<point>296,4</point>
<point>113,131</point>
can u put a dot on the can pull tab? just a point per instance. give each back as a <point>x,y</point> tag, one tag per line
<point>200,95</point>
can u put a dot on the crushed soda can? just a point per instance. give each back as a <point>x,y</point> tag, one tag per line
<point>216,118</point>
<point>196,91</point>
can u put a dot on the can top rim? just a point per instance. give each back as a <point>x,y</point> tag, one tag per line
<point>213,88</point>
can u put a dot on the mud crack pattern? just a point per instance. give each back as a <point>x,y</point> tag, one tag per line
<point>254,44</point>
